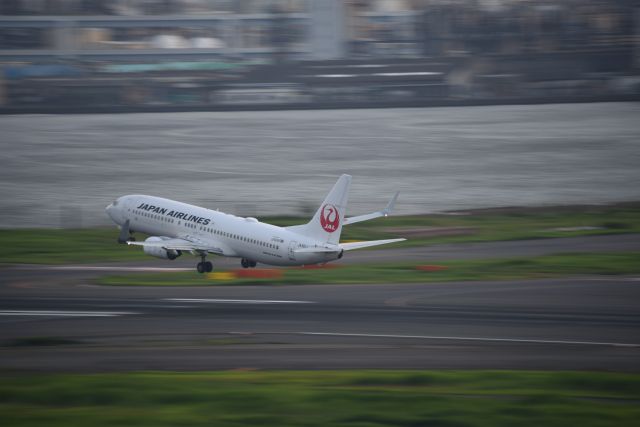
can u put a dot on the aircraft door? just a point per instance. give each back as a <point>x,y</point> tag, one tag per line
<point>292,247</point>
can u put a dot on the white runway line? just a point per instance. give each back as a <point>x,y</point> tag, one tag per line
<point>114,268</point>
<point>64,313</point>
<point>237,301</point>
<point>486,339</point>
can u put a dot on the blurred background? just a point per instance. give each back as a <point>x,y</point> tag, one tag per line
<point>315,63</point>
<point>141,55</point>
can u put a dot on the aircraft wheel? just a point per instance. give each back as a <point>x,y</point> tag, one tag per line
<point>252,264</point>
<point>245,263</point>
<point>208,266</point>
<point>200,267</point>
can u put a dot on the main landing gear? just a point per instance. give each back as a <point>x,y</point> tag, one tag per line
<point>248,263</point>
<point>204,266</point>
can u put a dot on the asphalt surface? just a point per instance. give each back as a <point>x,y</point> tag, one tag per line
<point>589,323</point>
<point>58,320</point>
<point>515,248</point>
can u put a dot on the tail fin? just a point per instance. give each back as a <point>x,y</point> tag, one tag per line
<point>326,224</point>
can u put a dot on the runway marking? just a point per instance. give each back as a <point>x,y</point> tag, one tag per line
<point>487,339</point>
<point>113,268</point>
<point>610,279</point>
<point>64,313</point>
<point>237,301</point>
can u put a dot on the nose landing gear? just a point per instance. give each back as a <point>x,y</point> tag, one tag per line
<point>126,234</point>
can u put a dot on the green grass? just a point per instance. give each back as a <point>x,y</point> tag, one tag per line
<point>501,269</point>
<point>56,246</point>
<point>322,398</point>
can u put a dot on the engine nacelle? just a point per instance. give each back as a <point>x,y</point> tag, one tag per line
<point>160,252</point>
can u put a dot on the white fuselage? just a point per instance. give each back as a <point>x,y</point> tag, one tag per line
<point>233,236</point>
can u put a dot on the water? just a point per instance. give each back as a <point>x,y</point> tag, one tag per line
<point>62,170</point>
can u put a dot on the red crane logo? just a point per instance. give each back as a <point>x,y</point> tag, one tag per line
<point>329,218</point>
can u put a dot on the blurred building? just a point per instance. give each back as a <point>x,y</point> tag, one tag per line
<point>223,53</point>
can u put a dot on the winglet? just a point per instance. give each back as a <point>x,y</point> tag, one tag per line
<point>392,203</point>
<point>385,212</point>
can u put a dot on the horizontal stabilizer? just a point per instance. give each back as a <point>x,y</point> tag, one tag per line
<point>360,245</point>
<point>385,212</point>
<point>317,250</point>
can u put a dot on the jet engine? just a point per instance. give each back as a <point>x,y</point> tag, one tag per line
<point>160,252</point>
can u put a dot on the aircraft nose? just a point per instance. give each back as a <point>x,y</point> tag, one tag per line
<point>110,211</point>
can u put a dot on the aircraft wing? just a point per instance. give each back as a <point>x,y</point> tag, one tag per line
<point>384,212</point>
<point>184,245</point>
<point>360,245</point>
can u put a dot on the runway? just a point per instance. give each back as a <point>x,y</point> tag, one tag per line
<point>588,323</point>
<point>427,254</point>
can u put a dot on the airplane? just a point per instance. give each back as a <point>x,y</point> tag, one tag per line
<point>177,227</point>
